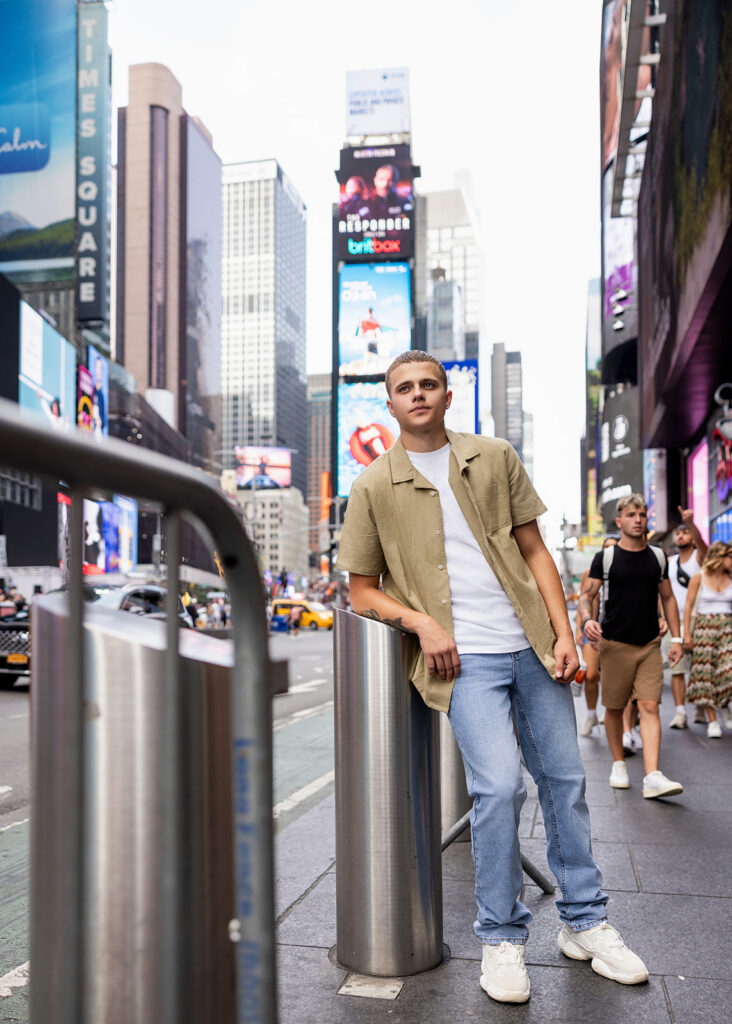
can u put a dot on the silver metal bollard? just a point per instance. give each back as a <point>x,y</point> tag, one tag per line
<point>453,788</point>
<point>124,871</point>
<point>388,861</point>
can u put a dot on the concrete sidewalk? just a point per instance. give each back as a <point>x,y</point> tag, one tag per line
<point>665,865</point>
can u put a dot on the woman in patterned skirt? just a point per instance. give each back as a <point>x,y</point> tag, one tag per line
<point>710,597</point>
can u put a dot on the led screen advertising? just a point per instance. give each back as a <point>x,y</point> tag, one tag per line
<point>127,533</point>
<point>262,468</point>
<point>377,101</point>
<point>374,317</point>
<point>462,380</point>
<point>698,477</point>
<point>366,429</point>
<point>376,203</point>
<point>47,378</point>
<point>99,370</point>
<point>37,136</point>
<point>85,401</point>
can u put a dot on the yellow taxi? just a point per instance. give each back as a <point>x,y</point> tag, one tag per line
<point>314,614</point>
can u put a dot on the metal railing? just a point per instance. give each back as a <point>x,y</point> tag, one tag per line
<point>88,468</point>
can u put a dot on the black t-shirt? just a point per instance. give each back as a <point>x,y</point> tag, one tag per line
<point>631,610</point>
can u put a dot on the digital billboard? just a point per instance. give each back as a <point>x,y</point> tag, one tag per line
<point>374,317</point>
<point>47,378</point>
<point>377,101</point>
<point>85,400</point>
<point>698,476</point>
<point>366,429</point>
<point>462,380</point>
<point>376,203</point>
<point>99,370</point>
<point>621,458</point>
<point>110,534</point>
<point>262,468</point>
<point>127,533</point>
<point>37,137</point>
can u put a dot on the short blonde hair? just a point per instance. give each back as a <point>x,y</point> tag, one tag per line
<point>716,553</point>
<point>414,355</point>
<point>631,501</point>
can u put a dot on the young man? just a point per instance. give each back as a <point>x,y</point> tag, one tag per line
<point>691,549</point>
<point>630,644</point>
<point>447,523</point>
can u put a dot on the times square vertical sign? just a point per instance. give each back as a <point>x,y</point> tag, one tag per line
<point>93,115</point>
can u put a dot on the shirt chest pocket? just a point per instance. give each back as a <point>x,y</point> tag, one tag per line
<point>494,507</point>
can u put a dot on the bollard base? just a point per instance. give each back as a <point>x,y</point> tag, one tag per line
<point>333,957</point>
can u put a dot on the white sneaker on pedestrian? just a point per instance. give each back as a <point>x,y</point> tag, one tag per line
<point>619,776</point>
<point>609,955</point>
<point>503,973</point>
<point>601,716</point>
<point>714,731</point>
<point>589,724</point>
<point>700,715</point>
<point>628,744</point>
<point>656,784</point>
<point>636,738</point>
<point>679,721</point>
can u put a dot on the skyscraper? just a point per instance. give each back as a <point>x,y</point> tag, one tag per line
<point>453,245</point>
<point>168,331</point>
<point>507,396</point>
<point>319,426</point>
<point>264,383</point>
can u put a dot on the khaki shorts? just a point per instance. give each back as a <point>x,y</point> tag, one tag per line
<point>630,672</point>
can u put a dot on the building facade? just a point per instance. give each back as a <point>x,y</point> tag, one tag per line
<point>445,318</point>
<point>264,386</point>
<point>168,294</point>
<point>319,430</point>
<point>507,396</point>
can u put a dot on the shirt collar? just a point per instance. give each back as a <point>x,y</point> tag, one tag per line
<point>464,446</point>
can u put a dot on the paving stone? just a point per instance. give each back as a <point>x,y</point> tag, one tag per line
<point>683,869</point>
<point>314,832</point>
<point>695,1001</point>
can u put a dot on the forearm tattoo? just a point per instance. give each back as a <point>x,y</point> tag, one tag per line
<point>398,623</point>
<point>585,604</point>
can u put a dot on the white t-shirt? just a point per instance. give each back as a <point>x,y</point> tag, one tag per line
<point>691,567</point>
<point>483,617</point>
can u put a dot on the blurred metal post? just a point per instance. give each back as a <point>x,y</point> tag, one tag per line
<point>388,861</point>
<point>453,787</point>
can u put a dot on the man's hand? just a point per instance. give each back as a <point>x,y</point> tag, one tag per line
<point>593,630</point>
<point>565,655</point>
<point>687,516</point>
<point>674,655</point>
<point>662,627</point>
<point>439,649</point>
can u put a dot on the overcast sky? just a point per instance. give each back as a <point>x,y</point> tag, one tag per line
<point>507,89</point>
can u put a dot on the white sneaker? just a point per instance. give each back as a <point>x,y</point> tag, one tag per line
<point>503,973</point>
<point>714,731</point>
<point>619,776</point>
<point>628,744</point>
<point>601,716</point>
<point>656,784</point>
<point>589,724</point>
<point>609,955</point>
<point>636,738</point>
<point>679,721</point>
<point>700,715</point>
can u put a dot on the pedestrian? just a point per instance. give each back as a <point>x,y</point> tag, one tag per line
<point>447,524</point>
<point>591,657</point>
<point>634,574</point>
<point>295,616</point>
<point>682,568</point>
<point>710,599</point>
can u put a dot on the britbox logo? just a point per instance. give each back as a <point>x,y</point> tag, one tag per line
<point>373,247</point>
<point>25,137</point>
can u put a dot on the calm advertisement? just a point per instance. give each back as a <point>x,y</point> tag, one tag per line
<point>47,378</point>
<point>374,317</point>
<point>366,429</point>
<point>462,380</point>
<point>262,468</point>
<point>37,136</point>
<point>375,207</point>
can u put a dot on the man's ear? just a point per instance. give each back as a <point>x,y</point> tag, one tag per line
<point>448,399</point>
<point>617,521</point>
<point>390,407</point>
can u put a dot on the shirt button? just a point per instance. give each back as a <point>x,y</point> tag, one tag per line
<point>432,493</point>
<point>444,600</point>
<point>439,566</point>
<point>437,531</point>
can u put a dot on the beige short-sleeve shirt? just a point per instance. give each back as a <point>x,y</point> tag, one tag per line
<point>393,529</point>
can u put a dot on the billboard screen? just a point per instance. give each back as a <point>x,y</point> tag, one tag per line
<point>99,371</point>
<point>462,380</point>
<point>262,468</point>
<point>37,137</point>
<point>376,202</point>
<point>85,401</point>
<point>366,429</point>
<point>47,378</point>
<point>377,101</point>
<point>621,458</point>
<point>698,477</point>
<point>374,317</point>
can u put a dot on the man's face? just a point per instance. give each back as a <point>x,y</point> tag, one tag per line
<point>682,537</point>
<point>418,399</point>
<point>383,180</point>
<point>632,522</point>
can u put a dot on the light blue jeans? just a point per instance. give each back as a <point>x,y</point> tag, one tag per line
<point>491,691</point>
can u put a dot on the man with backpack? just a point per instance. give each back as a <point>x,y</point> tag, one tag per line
<point>633,574</point>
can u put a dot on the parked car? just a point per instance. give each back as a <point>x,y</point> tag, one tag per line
<point>314,614</point>
<point>138,598</point>
<point>15,652</point>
